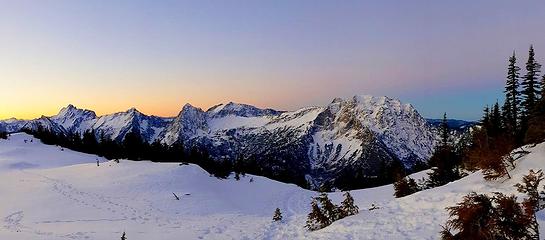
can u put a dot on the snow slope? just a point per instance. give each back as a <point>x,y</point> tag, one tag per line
<point>47,193</point>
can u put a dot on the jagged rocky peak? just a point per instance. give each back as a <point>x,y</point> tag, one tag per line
<point>368,101</point>
<point>241,110</point>
<point>374,107</point>
<point>188,106</point>
<point>190,111</point>
<point>134,115</point>
<point>397,125</point>
<point>133,110</point>
<point>71,111</point>
<point>337,100</point>
<point>189,122</point>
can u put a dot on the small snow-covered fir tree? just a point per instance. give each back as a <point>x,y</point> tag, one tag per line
<point>329,209</point>
<point>405,186</point>
<point>315,219</point>
<point>277,215</point>
<point>348,207</point>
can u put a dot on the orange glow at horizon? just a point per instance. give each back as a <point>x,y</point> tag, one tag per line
<point>167,103</point>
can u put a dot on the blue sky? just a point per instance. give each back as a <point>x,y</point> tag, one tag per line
<point>158,55</point>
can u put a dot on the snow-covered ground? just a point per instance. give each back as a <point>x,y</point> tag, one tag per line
<point>46,193</point>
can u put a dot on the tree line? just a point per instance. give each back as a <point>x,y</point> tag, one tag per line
<point>134,147</point>
<point>491,148</point>
<point>502,129</point>
<point>3,135</point>
<point>323,212</point>
<point>519,121</point>
<point>444,163</point>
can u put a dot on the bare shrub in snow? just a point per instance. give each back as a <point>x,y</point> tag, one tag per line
<point>534,202</point>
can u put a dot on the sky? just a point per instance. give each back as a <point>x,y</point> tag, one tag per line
<point>108,56</point>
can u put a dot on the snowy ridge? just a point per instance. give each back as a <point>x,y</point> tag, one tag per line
<point>241,110</point>
<point>117,125</point>
<point>348,135</point>
<point>12,125</point>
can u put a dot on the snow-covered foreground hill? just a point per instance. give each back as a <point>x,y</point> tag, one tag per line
<point>46,193</point>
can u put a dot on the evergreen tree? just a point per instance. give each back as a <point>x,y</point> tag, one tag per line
<point>495,120</point>
<point>277,215</point>
<point>512,95</point>
<point>405,186</point>
<point>238,167</point>
<point>485,121</point>
<point>530,86</point>
<point>89,142</point>
<point>315,219</point>
<point>3,135</point>
<point>348,207</point>
<point>444,163</point>
<point>542,87</point>
<point>329,209</point>
<point>133,145</point>
<point>535,132</point>
<point>158,151</point>
<point>444,131</point>
<point>506,117</point>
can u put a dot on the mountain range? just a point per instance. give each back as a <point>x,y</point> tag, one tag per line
<point>357,136</point>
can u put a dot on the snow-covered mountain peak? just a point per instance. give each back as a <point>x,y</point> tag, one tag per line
<point>72,118</point>
<point>241,110</point>
<point>190,121</point>
<point>189,109</point>
<point>362,118</point>
<point>133,111</point>
<point>69,107</point>
<point>375,106</point>
<point>337,100</point>
<point>373,101</point>
<point>71,111</point>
